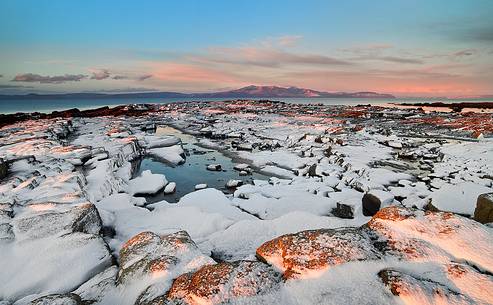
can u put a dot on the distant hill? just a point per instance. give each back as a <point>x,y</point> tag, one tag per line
<point>245,92</point>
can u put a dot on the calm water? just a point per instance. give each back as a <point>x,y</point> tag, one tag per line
<point>193,171</point>
<point>48,105</point>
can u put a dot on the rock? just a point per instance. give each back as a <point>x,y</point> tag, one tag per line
<point>484,208</point>
<point>430,207</point>
<point>170,188</point>
<point>374,200</point>
<point>417,235</point>
<point>98,286</point>
<point>394,144</point>
<point>200,186</point>
<point>241,167</point>
<point>57,299</point>
<point>312,170</point>
<point>61,263</point>
<point>244,146</point>
<point>477,135</point>
<point>147,183</point>
<point>4,168</point>
<point>174,155</point>
<point>48,220</point>
<point>243,173</point>
<point>214,167</point>
<point>421,288</point>
<point>306,253</point>
<point>224,283</point>
<point>150,255</point>
<point>343,211</point>
<point>232,183</point>
<point>6,232</point>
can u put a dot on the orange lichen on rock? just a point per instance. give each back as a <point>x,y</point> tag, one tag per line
<point>306,253</point>
<point>223,282</point>
<point>449,284</point>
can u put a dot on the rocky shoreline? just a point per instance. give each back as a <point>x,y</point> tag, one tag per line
<point>379,205</point>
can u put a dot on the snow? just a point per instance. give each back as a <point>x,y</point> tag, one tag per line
<point>458,198</point>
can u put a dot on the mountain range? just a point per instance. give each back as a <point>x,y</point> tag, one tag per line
<point>245,92</point>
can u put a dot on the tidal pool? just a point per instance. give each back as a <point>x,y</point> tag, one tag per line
<point>194,170</point>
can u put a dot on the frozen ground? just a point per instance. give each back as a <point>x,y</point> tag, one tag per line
<point>376,207</point>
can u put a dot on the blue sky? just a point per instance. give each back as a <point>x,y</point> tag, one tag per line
<point>406,47</point>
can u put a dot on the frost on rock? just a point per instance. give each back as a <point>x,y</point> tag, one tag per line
<point>149,253</point>
<point>307,253</point>
<point>150,258</point>
<point>443,284</point>
<point>223,283</point>
<point>432,236</point>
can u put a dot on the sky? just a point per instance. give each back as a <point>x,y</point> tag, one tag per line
<point>403,47</point>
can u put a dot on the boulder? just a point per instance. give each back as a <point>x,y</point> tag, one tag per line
<point>242,167</point>
<point>427,287</point>
<point>484,208</point>
<point>150,255</point>
<point>170,188</point>
<point>224,283</point>
<point>98,286</point>
<point>307,253</point>
<point>214,167</point>
<point>416,235</point>
<point>232,183</point>
<point>48,220</point>
<point>343,211</point>
<point>374,200</point>
<point>200,186</point>
<point>58,299</point>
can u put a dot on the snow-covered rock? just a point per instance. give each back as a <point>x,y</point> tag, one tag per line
<point>308,253</point>
<point>170,188</point>
<point>171,154</point>
<point>147,183</point>
<point>200,186</point>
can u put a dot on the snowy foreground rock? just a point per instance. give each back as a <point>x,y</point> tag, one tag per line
<point>367,205</point>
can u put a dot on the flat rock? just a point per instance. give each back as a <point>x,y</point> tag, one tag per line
<point>48,220</point>
<point>147,183</point>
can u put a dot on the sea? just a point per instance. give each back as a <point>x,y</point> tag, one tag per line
<point>49,105</point>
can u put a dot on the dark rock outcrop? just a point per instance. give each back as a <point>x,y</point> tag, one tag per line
<point>484,208</point>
